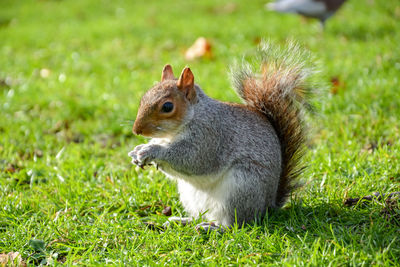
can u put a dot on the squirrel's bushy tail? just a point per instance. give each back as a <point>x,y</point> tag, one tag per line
<point>279,90</point>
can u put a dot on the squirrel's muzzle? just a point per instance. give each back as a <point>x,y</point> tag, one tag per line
<point>137,132</point>
<point>137,129</point>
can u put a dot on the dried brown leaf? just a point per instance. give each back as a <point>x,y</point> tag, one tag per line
<point>337,85</point>
<point>201,48</point>
<point>11,259</point>
<point>167,211</point>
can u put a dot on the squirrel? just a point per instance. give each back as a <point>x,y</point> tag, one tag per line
<point>232,162</point>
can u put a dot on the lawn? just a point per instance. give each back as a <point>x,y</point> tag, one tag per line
<point>71,76</point>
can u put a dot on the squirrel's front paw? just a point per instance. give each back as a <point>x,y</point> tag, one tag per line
<point>143,155</point>
<point>133,153</point>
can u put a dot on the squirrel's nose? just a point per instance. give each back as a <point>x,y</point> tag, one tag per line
<point>136,131</point>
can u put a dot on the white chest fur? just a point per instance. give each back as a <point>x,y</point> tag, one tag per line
<point>206,195</point>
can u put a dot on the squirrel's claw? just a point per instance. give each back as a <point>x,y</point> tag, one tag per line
<point>138,163</point>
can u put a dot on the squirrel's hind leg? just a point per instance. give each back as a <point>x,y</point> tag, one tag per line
<point>253,189</point>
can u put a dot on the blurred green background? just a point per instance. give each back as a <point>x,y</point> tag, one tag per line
<point>71,77</point>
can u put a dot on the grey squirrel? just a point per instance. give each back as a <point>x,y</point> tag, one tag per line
<point>231,161</point>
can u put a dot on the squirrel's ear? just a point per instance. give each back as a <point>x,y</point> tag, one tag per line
<point>186,84</point>
<point>167,73</point>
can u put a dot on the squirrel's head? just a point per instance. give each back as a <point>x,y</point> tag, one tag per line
<point>164,107</point>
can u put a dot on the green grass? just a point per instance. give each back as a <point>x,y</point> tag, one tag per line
<point>66,180</point>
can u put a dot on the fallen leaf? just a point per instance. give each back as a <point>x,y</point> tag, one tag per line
<point>200,48</point>
<point>11,259</point>
<point>3,259</point>
<point>337,85</point>
<point>11,168</point>
<point>167,211</point>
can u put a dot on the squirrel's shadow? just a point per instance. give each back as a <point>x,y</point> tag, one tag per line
<point>333,221</point>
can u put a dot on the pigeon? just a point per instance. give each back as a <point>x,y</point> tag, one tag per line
<point>319,9</point>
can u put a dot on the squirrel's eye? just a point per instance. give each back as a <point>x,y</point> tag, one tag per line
<point>167,107</point>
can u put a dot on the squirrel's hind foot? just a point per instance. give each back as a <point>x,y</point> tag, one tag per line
<point>208,227</point>
<point>204,227</point>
